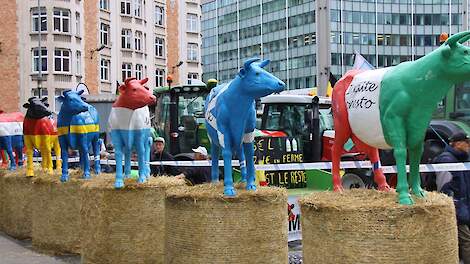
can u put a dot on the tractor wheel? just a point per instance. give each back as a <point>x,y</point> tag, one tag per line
<point>352,181</point>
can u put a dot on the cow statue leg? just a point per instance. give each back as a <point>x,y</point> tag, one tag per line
<point>118,147</point>
<point>242,162</point>
<point>84,158</point>
<point>250,166</point>
<point>65,157</point>
<point>215,149</point>
<point>29,155</point>
<point>341,136</point>
<point>140,148</point>
<point>127,150</point>
<point>56,146</point>
<point>229,190</point>
<point>148,147</point>
<point>96,151</point>
<point>9,150</point>
<point>415,178</point>
<point>373,154</point>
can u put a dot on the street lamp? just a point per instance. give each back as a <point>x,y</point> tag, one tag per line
<point>39,49</point>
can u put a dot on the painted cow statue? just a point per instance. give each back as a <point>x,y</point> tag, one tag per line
<point>11,137</point>
<point>129,122</point>
<point>78,128</point>
<point>392,107</point>
<point>231,117</point>
<point>40,132</point>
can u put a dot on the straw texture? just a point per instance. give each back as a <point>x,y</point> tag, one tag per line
<point>124,226</point>
<point>56,213</point>
<point>205,227</point>
<point>16,197</point>
<point>366,226</point>
<point>2,173</point>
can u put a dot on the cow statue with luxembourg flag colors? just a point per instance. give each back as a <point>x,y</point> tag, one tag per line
<point>11,137</point>
<point>129,122</point>
<point>231,117</point>
<point>40,133</point>
<point>78,128</point>
<point>392,107</point>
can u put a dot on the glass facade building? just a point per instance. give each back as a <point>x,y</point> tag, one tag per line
<point>385,32</point>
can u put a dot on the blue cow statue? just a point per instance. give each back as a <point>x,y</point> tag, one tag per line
<point>129,122</point>
<point>11,137</point>
<point>78,128</point>
<point>231,117</point>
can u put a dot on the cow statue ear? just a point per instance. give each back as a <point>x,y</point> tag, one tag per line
<point>26,105</point>
<point>61,98</point>
<point>80,92</point>
<point>242,72</point>
<point>446,51</point>
<point>122,88</point>
<point>44,99</point>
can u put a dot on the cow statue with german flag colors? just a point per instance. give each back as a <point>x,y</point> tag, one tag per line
<point>392,107</point>
<point>40,133</point>
<point>78,128</point>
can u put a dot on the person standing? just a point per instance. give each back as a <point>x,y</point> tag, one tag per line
<point>458,187</point>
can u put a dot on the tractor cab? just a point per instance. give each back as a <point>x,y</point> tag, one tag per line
<point>179,117</point>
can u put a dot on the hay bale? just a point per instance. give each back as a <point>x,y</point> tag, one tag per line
<point>2,173</point>
<point>56,213</point>
<point>205,227</point>
<point>367,226</point>
<point>127,225</point>
<point>16,197</point>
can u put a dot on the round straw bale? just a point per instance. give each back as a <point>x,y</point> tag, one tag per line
<point>203,226</point>
<point>56,213</point>
<point>16,197</point>
<point>367,226</point>
<point>127,225</point>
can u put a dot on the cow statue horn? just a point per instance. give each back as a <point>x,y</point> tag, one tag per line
<point>247,63</point>
<point>263,63</point>
<point>458,38</point>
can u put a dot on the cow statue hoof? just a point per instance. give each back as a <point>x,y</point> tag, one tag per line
<point>142,179</point>
<point>338,188</point>
<point>230,191</point>
<point>86,176</point>
<point>405,199</point>
<point>251,187</point>
<point>29,173</point>
<point>118,184</point>
<point>418,192</point>
<point>64,178</point>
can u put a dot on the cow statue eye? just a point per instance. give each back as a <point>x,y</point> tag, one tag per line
<point>465,52</point>
<point>257,73</point>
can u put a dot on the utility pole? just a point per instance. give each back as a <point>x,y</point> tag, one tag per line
<point>323,45</point>
<point>39,49</point>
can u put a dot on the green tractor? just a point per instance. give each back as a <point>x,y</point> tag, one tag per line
<point>179,117</point>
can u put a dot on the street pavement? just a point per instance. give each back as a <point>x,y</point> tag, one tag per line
<point>14,251</point>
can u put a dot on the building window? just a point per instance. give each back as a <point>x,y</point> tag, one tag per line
<point>39,18</point>
<point>126,36</point>
<point>61,20</point>
<point>104,34</point>
<point>126,7</point>
<point>192,21</point>
<point>192,76</point>
<point>44,92</point>
<point>159,47</point>
<point>138,41</point>
<point>126,71</point>
<point>36,60</point>
<point>160,77</point>
<point>62,60</point>
<point>104,4</point>
<point>77,23</point>
<point>139,71</point>
<point>192,52</point>
<point>78,58</point>
<point>159,15</point>
<point>104,69</point>
<point>138,8</point>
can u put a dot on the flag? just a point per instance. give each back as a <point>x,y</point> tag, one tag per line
<point>360,63</point>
